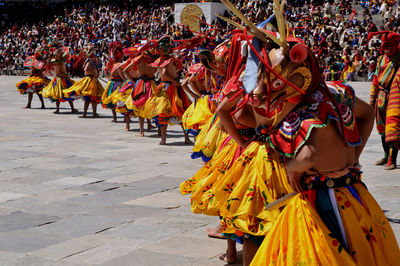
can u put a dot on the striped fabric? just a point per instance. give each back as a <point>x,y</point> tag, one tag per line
<point>392,129</point>
<point>385,70</point>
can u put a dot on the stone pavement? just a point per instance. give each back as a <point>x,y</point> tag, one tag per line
<point>85,192</point>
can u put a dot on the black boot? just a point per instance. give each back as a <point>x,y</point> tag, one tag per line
<point>385,146</point>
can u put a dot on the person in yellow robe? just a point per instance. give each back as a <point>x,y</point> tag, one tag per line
<point>89,88</point>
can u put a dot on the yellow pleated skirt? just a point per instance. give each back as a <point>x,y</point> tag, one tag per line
<point>197,114</point>
<point>138,101</point>
<point>257,178</point>
<point>89,87</point>
<point>201,185</point>
<point>119,96</point>
<point>158,104</point>
<point>208,139</point>
<point>54,90</point>
<point>300,237</point>
<point>32,84</point>
<point>106,98</point>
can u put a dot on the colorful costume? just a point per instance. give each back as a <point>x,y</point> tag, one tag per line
<point>143,89</point>
<point>35,83</point>
<point>168,104</point>
<point>54,91</point>
<point>335,220</point>
<point>120,96</point>
<point>387,66</point>
<point>89,88</point>
<point>392,129</point>
<point>202,112</point>
<point>113,85</point>
<point>236,184</point>
<point>116,55</point>
<point>201,109</point>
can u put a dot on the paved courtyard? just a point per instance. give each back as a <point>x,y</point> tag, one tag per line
<point>79,191</point>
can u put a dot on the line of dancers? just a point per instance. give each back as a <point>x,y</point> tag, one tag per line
<point>280,146</point>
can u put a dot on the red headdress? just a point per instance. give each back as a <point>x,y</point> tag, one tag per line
<point>390,41</point>
<point>115,51</point>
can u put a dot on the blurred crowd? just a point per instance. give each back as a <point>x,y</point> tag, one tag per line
<point>336,30</point>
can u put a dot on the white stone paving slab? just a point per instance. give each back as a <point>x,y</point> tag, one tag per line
<point>6,196</point>
<point>168,200</point>
<point>72,181</point>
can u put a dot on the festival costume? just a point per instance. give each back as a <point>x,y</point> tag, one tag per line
<point>35,83</point>
<point>119,96</point>
<point>392,129</point>
<point>236,184</point>
<point>89,89</point>
<point>116,55</point>
<point>202,108</point>
<point>54,91</point>
<point>112,86</point>
<point>143,89</point>
<point>168,103</point>
<point>335,221</point>
<point>386,69</point>
<point>210,135</point>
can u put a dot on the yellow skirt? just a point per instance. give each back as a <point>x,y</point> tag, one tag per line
<point>32,84</point>
<point>89,88</point>
<point>208,139</point>
<point>139,97</point>
<point>300,237</point>
<point>158,103</point>
<point>119,96</point>
<point>54,90</point>
<point>256,178</point>
<point>106,98</point>
<point>197,114</point>
<point>202,183</point>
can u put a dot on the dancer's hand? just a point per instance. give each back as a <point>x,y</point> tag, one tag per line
<point>372,101</point>
<point>294,179</point>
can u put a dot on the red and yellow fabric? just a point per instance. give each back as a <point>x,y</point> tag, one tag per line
<point>168,101</point>
<point>140,96</point>
<point>89,88</point>
<point>384,74</point>
<point>32,84</point>
<point>392,129</point>
<point>197,114</point>
<point>300,237</point>
<point>54,90</point>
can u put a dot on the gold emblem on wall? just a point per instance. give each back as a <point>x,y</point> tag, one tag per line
<point>190,15</point>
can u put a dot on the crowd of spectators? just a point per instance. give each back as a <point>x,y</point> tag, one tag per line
<point>335,30</point>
